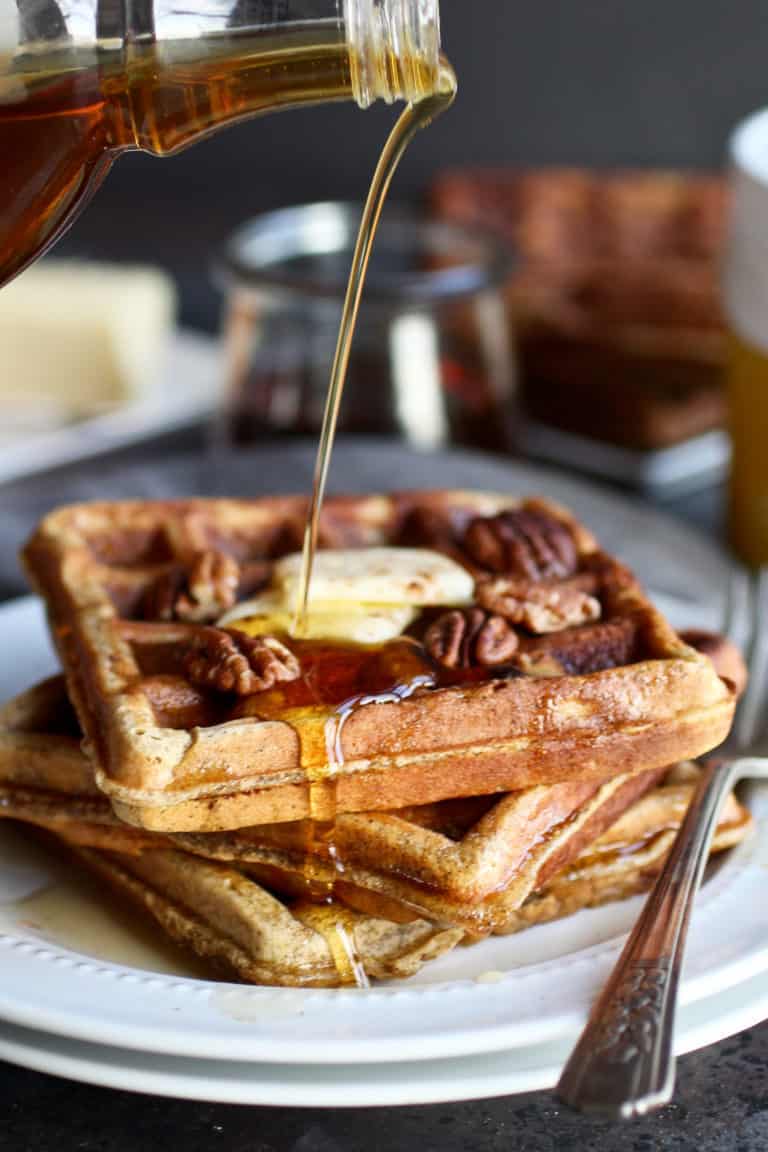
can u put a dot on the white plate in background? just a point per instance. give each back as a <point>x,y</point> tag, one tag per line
<point>187,392</point>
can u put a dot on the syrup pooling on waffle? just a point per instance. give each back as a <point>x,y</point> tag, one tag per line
<point>174,624</point>
<point>556,647</point>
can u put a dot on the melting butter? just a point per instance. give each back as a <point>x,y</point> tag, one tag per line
<point>333,620</point>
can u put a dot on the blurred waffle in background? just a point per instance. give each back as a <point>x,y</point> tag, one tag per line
<point>615,307</point>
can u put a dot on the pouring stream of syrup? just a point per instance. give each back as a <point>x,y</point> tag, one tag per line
<point>412,119</point>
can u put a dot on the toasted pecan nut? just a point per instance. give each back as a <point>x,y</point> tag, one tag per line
<point>540,607</point>
<point>197,592</point>
<point>211,586</point>
<point>231,661</point>
<point>160,596</point>
<point>425,527</point>
<point>470,638</point>
<point>578,651</point>
<point>522,543</point>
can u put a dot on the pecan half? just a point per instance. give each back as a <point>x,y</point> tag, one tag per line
<point>540,607</point>
<point>470,638</point>
<point>159,599</point>
<point>523,543</point>
<point>211,586</point>
<point>424,527</point>
<point>231,661</point>
<point>196,592</point>
<point>579,651</point>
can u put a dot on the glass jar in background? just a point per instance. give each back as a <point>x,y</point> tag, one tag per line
<point>431,359</point>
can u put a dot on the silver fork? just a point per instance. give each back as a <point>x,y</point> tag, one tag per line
<point>623,1064</point>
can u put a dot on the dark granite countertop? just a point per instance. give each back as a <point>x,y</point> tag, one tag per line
<point>721,1103</point>
<point>721,1106</point>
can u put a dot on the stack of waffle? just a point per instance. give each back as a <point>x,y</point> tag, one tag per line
<point>514,746</point>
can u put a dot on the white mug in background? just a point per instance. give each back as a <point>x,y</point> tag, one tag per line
<point>745,299</point>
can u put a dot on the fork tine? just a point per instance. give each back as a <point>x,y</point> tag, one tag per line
<point>752,708</point>
<point>737,606</point>
<point>759,698</point>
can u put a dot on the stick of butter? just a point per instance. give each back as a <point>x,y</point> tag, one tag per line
<point>84,336</point>
<point>413,576</point>
<point>363,596</point>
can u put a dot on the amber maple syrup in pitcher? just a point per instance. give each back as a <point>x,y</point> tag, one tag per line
<point>81,83</point>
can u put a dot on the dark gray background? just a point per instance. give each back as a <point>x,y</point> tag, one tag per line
<point>602,82</point>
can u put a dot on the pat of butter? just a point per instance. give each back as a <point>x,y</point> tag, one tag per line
<point>351,623</point>
<point>390,576</point>
<point>84,336</point>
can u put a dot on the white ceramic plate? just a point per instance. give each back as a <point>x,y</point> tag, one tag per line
<point>193,359</point>
<point>94,991</point>
<point>350,1085</point>
<point>548,975</point>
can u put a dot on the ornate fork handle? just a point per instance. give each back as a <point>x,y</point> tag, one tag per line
<point>623,1064</point>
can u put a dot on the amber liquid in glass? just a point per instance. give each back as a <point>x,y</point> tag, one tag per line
<point>747,389</point>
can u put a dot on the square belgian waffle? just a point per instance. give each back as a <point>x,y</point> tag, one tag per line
<point>616,301</point>
<point>256,922</point>
<point>217,911</point>
<point>229,919</point>
<point>249,913</point>
<point>561,671</point>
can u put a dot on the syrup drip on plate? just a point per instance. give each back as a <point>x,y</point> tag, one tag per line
<point>337,925</point>
<point>68,909</point>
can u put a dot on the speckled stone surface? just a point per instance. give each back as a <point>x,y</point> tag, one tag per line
<point>721,1106</point>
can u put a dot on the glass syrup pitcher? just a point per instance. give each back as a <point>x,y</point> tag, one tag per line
<point>83,80</point>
